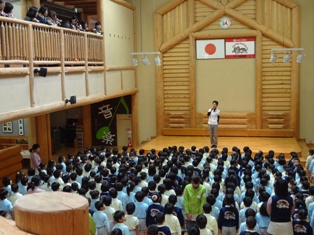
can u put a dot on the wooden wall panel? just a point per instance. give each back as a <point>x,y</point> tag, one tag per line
<point>10,162</point>
<point>277,17</point>
<point>176,83</point>
<point>276,85</point>
<point>175,21</point>
<point>248,9</point>
<point>275,20</point>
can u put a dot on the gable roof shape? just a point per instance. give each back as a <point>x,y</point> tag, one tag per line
<point>228,10</point>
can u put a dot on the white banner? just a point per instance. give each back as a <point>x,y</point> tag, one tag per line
<point>240,48</point>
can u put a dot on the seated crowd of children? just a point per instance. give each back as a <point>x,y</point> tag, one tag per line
<point>130,192</point>
<point>45,16</point>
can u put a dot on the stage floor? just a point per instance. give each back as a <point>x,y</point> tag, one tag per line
<point>279,145</point>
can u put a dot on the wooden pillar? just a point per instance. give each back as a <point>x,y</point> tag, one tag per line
<point>259,11</point>
<point>43,134</point>
<point>295,75</point>
<point>101,18</point>
<point>159,78</point>
<point>259,78</point>
<point>191,15</point>
<point>24,7</point>
<point>31,129</point>
<point>87,126</point>
<point>36,3</point>
<point>192,82</point>
<point>135,133</point>
<point>31,64</point>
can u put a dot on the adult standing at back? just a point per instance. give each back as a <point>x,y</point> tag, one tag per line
<point>34,156</point>
<point>194,199</point>
<point>280,208</point>
<point>213,120</point>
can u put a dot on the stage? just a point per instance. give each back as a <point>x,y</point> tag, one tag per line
<point>279,145</point>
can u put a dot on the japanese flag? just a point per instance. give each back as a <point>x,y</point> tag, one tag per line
<point>210,49</point>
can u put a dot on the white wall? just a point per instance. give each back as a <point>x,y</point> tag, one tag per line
<point>226,80</point>
<point>146,75</point>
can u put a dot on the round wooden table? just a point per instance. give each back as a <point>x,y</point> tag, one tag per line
<point>52,213</point>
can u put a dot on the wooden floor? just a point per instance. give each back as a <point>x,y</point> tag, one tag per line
<point>279,145</point>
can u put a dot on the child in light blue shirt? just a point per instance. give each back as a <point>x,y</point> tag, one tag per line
<point>5,204</point>
<point>140,212</point>
<point>263,219</point>
<point>119,218</point>
<point>101,219</point>
<point>243,226</point>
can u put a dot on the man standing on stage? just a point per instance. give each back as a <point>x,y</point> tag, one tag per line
<point>213,120</point>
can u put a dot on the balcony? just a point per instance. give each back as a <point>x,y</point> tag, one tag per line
<point>74,61</point>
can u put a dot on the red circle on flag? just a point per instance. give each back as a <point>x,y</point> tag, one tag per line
<point>210,49</point>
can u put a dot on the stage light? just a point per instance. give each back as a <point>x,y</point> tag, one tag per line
<point>300,58</point>
<point>134,61</point>
<point>157,61</point>
<point>145,60</point>
<point>41,72</point>
<point>273,58</point>
<point>72,100</point>
<point>287,58</point>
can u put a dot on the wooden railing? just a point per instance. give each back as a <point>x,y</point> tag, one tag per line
<point>24,42</point>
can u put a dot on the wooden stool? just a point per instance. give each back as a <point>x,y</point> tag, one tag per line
<point>52,213</point>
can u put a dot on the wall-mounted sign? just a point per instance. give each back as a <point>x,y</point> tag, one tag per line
<point>210,49</point>
<point>240,48</point>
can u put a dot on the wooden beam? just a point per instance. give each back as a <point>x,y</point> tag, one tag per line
<point>213,4</point>
<point>288,3</point>
<point>169,6</point>
<point>232,33</point>
<point>57,106</point>
<point>197,26</point>
<point>265,30</point>
<point>234,4</point>
<point>125,4</point>
<point>119,68</point>
<point>15,71</point>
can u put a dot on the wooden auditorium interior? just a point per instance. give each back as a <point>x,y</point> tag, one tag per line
<point>148,79</point>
